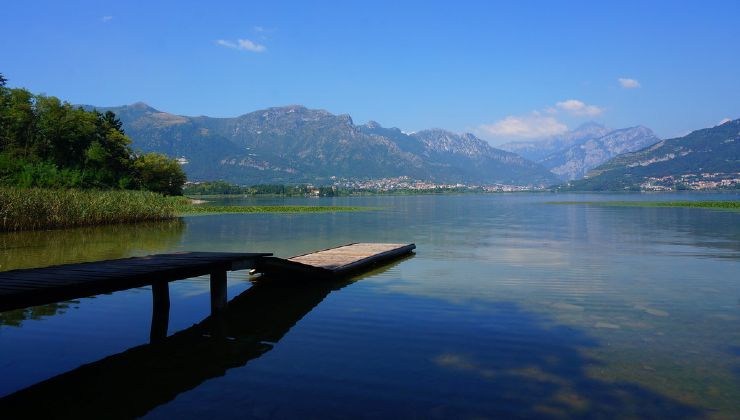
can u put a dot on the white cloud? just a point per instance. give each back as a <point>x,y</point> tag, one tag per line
<point>538,124</point>
<point>724,120</point>
<point>248,45</point>
<point>242,44</point>
<point>524,127</point>
<point>628,83</point>
<point>576,107</point>
<point>225,43</point>
<point>258,29</point>
<point>106,19</point>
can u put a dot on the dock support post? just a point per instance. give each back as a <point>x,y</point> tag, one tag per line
<point>160,311</point>
<point>218,291</point>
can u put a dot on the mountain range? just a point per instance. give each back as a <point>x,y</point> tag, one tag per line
<point>710,154</point>
<point>295,144</point>
<point>572,154</point>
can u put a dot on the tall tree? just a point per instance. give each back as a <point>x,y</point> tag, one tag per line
<point>160,174</point>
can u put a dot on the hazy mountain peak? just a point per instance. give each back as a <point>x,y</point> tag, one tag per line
<point>575,161</point>
<point>572,154</point>
<point>141,106</point>
<point>589,125</point>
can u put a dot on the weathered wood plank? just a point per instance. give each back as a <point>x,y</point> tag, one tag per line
<point>30,287</point>
<point>335,262</point>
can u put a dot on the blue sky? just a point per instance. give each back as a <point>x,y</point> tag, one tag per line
<point>505,70</point>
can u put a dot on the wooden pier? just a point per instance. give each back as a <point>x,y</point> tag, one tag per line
<point>336,262</point>
<point>40,286</point>
<point>142,378</point>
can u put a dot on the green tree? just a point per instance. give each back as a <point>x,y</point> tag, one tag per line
<point>158,173</point>
<point>46,142</point>
<point>64,132</point>
<point>17,122</point>
<point>108,159</point>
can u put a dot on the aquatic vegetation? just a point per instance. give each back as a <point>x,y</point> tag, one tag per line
<point>186,209</point>
<point>720,205</point>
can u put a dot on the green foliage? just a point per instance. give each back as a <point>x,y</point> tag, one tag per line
<point>37,208</point>
<point>21,173</point>
<point>160,174</point>
<point>214,188</point>
<point>47,143</point>
<point>47,175</point>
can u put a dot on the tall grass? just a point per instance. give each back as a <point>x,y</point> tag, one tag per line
<point>37,208</point>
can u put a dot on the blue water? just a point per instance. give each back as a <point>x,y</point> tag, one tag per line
<point>510,307</point>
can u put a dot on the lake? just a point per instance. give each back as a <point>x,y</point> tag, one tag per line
<point>511,307</point>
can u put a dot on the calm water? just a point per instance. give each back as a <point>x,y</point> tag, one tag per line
<point>510,307</point>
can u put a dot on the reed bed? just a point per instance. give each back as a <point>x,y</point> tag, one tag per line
<point>37,208</point>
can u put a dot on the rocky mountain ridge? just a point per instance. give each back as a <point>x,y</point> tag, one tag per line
<point>703,157</point>
<point>296,144</point>
<point>571,155</point>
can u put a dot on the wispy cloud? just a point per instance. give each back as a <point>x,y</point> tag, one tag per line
<point>227,44</point>
<point>242,44</point>
<point>628,83</point>
<point>579,108</point>
<point>531,126</point>
<point>106,19</point>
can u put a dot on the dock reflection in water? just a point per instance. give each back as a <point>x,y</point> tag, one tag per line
<point>132,383</point>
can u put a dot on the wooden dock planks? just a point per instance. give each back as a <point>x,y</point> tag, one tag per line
<point>335,262</point>
<point>39,286</point>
